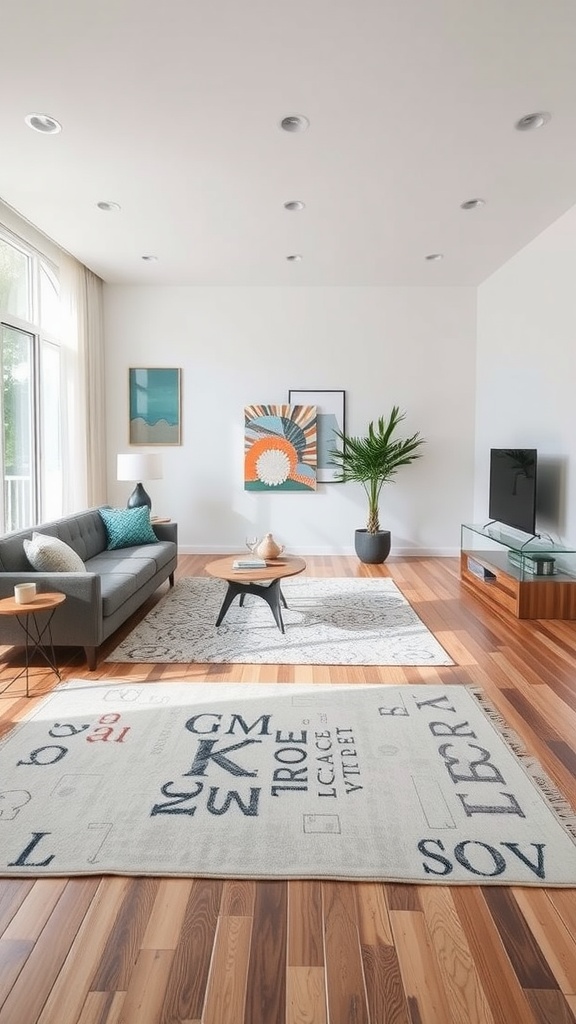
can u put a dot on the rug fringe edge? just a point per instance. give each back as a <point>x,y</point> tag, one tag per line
<point>550,792</point>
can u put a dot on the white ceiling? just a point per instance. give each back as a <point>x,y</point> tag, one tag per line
<point>172,110</point>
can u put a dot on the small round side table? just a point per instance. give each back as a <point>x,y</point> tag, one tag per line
<point>37,635</point>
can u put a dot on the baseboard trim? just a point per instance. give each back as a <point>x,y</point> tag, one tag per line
<point>219,549</point>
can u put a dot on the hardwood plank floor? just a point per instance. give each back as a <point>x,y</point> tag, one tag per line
<point>192,951</point>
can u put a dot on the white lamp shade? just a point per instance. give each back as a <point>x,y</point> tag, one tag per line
<point>139,466</point>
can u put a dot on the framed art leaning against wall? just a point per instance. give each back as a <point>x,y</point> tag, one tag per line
<point>330,416</point>
<point>154,402</point>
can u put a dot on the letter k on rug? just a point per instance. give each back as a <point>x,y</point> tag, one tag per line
<point>364,621</point>
<point>392,783</point>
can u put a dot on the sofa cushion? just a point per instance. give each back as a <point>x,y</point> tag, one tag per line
<point>48,554</point>
<point>126,527</point>
<point>117,589</point>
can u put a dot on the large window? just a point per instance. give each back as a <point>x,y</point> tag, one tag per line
<point>30,464</point>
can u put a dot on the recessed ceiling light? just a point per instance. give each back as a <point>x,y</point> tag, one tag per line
<point>530,121</point>
<point>109,207</point>
<point>150,259</point>
<point>433,256</point>
<point>294,204</point>
<point>43,123</point>
<point>295,123</point>
<point>295,258</point>
<point>472,204</point>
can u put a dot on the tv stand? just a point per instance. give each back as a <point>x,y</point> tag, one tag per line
<point>526,576</point>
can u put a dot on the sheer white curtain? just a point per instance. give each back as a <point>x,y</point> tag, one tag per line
<point>83,400</point>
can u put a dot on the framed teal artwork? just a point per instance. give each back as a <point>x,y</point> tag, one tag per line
<point>155,407</point>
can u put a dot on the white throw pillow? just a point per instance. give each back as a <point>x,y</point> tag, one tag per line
<point>48,554</point>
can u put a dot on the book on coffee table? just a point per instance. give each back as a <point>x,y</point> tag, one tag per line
<point>249,563</point>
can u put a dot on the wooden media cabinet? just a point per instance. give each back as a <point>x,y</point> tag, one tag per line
<point>528,577</point>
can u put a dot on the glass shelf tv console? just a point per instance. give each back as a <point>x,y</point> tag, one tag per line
<point>531,577</point>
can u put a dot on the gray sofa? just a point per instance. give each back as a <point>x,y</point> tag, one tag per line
<point>98,601</point>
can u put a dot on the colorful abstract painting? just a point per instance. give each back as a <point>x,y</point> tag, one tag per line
<point>280,448</point>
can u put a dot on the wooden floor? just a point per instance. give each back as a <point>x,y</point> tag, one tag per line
<point>184,951</point>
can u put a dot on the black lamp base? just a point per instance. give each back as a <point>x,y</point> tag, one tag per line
<point>139,497</point>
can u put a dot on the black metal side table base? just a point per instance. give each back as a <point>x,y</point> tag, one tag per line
<point>271,593</point>
<point>34,644</point>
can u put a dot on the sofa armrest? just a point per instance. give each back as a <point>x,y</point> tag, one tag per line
<point>83,585</point>
<point>77,621</point>
<point>166,531</point>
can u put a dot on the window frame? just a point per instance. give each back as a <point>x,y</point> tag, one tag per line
<point>38,263</point>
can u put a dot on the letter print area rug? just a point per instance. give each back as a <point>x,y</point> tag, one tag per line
<point>393,783</point>
<point>364,621</point>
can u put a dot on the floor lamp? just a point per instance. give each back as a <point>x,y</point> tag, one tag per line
<point>138,467</point>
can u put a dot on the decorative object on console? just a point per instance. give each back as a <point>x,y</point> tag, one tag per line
<point>539,565</point>
<point>128,527</point>
<point>154,399</point>
<point>372,461</point>
<point>280,448</point>
<point>330,417</point>
<point>268,548</point>
<point>480,570</point>
<point>49,554</point>
<point>139,466</point>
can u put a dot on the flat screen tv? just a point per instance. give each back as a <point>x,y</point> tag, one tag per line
<point>512,499</point>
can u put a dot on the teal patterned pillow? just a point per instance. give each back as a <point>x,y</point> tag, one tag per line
<point>126,527</point>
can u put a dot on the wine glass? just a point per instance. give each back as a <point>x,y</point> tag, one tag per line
<point>252,544</point>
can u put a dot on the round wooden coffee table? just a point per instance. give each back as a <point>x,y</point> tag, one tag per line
<point>38,637</point>
<point>264,583</point>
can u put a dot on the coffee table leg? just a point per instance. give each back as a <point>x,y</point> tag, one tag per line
<point>272,594</point>
<point>229,596</point>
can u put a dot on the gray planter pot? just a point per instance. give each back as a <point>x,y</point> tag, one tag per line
<point>372,548</point>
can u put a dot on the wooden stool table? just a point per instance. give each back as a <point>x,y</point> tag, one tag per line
<point>34,631</point>
<point>252,581</point>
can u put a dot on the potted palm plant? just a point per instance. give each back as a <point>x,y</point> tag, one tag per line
<point>372,461</point>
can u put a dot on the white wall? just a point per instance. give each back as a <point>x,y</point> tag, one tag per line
<point>526,372</point>
<point>237,346</point>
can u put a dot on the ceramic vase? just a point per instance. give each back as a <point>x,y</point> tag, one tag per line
<point>268,548</point>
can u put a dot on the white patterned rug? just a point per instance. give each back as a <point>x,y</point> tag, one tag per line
<point>393,783</point>
<point>352,621</point>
